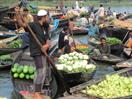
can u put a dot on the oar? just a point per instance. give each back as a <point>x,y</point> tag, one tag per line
<point>125,37</point>
<point>56,72</point>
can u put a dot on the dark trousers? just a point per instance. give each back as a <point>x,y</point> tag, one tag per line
<point>43,73</point>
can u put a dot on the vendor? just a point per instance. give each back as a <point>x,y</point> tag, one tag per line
<point>93,29</point>
<point>43,73</point>
<point>63,40</point>
<point>72,25</point>
<point>103,49</point>
<point>66,43</point>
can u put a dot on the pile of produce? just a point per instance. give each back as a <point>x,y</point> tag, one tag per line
<point>112,87</point>
<point>16,44</point>
<point>83,48</point>
<point>113,41</point>
<point>122,24</point>
<point>23,71</point>
<point>75,62</point>
<point>5,58</point>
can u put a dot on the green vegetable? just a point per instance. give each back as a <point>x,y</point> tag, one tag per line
<point>25,69</point>
<point>27,76</point>
<point>32,76</point>
<point>75,62</point>
<point>19,69</point>
<point>15,75</point>
<point>16,65</point>
<point>31,70</point>
<point>21,75</point>
<point>113,41</point>
<point>16,44</point>
<point>23,72</point>
<point>5,58</point>
<point>14,70</point>
<point>112,87</point>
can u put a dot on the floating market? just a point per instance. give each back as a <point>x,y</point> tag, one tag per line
<point>66,49</point>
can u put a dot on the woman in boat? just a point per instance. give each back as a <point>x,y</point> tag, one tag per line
<point>102,50</point>
<point>72,25</point>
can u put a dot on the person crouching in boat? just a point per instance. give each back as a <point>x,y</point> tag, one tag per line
<point>63,41</point>
<point>103,49</point>
<point>93,30</point>
<point>72,25</point>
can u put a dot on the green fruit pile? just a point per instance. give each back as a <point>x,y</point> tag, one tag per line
<point>16,44</point>
<point>112,87</point>
<point>23,72</point>
<point>5,58</point>
<point>75,62</point>
<point>113,40</point>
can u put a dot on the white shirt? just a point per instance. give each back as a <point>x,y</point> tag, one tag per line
<point>101,12</point>
<point>77,5</point>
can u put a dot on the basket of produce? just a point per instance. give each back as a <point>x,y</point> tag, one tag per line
<point>115,45</point>
<point>23,71</point>
<point>117,85</point>
<point>83,48</point>
<point>11,47</point>
<point>122,24</point>
<point>22,74</point>
<point>76,67</point>
<point>5,61</point>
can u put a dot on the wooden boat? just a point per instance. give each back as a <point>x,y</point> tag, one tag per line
<point>4,49</point>
<point>80,32</point>
<point>112,59</point>
<point>93,41</point>
<point>63,22</point>
<point>124,64</point>
<point>27,85</point>
<point>117,32</point>
<point>5,65</point>
<point>73,79</point>
<point>57,16</point>
<point>77,89</point>
<point>116,49</point>
<point>4,34</point>
<point>7,40</point>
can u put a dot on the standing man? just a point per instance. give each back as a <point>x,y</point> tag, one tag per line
<point>40,29</point>
<point>101,12</point>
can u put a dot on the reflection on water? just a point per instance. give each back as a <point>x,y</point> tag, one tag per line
<point>5,84</point>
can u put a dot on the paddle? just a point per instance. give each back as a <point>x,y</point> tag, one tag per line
<point>56,72</point>
<point>125,37</point>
